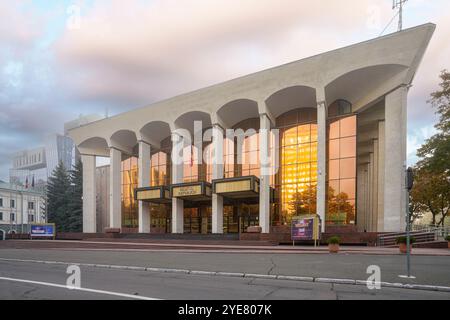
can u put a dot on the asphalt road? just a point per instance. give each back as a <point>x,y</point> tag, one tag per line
<point>153,285</point>
<point>428,270</point>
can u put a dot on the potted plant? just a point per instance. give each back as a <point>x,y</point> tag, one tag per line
<point>401,241</point>
<point>448,241</point>
<point>333,244</point>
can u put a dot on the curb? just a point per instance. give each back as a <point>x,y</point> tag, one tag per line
<point>245,275</point>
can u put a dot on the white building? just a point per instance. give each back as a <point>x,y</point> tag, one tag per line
<point>342,121</point>
<point>38,164</point>
<point>18,208</point>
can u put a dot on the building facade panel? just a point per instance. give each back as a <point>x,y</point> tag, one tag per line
<point>317,118</point>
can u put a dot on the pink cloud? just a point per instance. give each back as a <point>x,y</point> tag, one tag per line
<point>144,52</point>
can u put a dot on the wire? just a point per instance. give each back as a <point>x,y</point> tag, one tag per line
<point>390,22</point>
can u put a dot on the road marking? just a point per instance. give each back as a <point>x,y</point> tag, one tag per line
<point>230,274</point>
<point>48,284</point>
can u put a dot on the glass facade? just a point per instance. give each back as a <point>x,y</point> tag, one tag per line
<point>297,176</point>
<point>294,184</point>
<point>341,184</point>
<point>129,184</point>
<point>160,169</point>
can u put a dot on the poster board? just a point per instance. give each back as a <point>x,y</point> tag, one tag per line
<point>44,230</point>
<point>306,228</point>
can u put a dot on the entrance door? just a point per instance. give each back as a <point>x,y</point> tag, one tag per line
<point>160,218</point>
<point>198,220</point>
<point>230,219</point>
<point>249,216</point>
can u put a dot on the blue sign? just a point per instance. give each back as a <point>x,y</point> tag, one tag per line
<point>43,230</point>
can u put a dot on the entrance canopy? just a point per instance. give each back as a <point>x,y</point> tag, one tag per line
<point>193,191</point>
<point>237,188</point>
<point>158,195</point>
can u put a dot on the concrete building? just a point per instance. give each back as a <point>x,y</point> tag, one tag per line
<point>18,208</point>
<point>329,138</point>
<point>38,164</point>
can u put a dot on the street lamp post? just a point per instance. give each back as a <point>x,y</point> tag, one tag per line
<point>409,183</point>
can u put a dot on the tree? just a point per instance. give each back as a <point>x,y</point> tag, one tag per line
<point>304,202</point>
<point>75,215</point>
<point>435,153</point>
<point>58,197</point>
<point>431,193</point>
<point>416,210</point>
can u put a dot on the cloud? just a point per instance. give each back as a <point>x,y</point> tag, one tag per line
<point>126,54</point>
<point>143,51</point>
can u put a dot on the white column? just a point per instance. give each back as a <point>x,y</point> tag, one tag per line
<point>115,195</point>
<point>381,148</point>
<point>89,195</point>
<point>144,164</point>
<point>375,185</point>
<point>265,169</point>
<point>361,203</point>
<point>177,177</point>
<point>367,195</point>
<point>217,173</point>
<point>322,161</point>
<point>370,186</point>
<point>395,161</point>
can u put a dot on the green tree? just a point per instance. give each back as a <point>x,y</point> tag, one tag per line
<point>58,197</point>
<point>74,221</point>
<point>431,193</point>
<point>435,153</point>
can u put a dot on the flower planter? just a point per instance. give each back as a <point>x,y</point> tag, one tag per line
<point>333,248</point>
<point>403,248</point>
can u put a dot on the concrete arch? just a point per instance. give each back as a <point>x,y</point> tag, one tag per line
<point>94,146</point>
<point>291,98</point>
<point>124,140</point>
<point>352,85</point>
<point>2,234</point>
<point>187,119</point>
<point>237,110</point>
<point>154,133</point>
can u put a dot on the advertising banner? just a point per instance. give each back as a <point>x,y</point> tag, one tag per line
<point>305,228</point>
<point>43,230</point>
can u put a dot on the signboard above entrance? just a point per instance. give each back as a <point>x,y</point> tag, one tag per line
<point>195,191</point>
<point>241,187</point>
<point>153,194</point>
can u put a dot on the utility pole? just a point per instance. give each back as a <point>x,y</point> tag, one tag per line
<point>399,4</point>
<point>409,183</point>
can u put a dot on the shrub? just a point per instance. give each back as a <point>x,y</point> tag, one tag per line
<point>334,240</point>
<point>447,238</point>
<point>402,240</point>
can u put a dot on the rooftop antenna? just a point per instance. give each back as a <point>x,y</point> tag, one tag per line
<point>399,4</point>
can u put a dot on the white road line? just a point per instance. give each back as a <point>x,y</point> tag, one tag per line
<point>273,277</point>
<point>47,284</point>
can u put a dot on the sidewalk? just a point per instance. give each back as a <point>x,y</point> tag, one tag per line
<point>198,246</point>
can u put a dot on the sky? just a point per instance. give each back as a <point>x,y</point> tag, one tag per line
<point>62,59</point>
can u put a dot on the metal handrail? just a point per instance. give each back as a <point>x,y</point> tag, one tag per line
<point>389,239</point>
<point>440,231</point>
